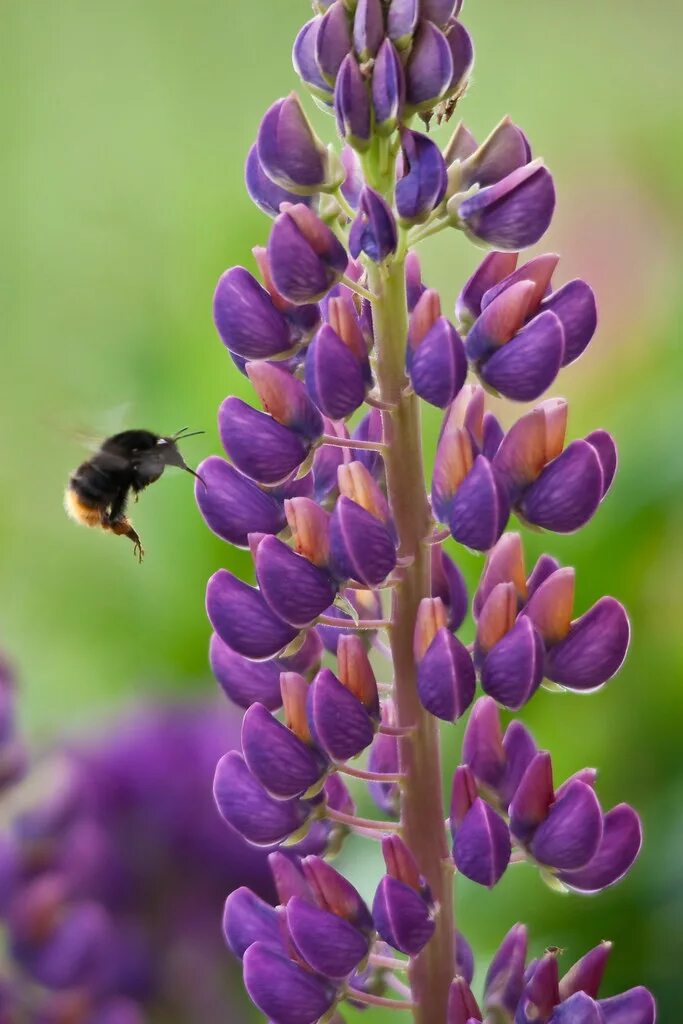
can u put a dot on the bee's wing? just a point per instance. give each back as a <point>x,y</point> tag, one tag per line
<point>91,441</point>
<point>115,420</point>
<point>111,421</point>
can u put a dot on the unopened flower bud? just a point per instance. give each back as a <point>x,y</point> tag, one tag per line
<point>374,229</point>
<point>368,28</point>
<point>448,584</point>
<point>533,797</point>
<point>513,669</point>
<point>462,1006</point>
<point>402,18</point>
<point>482,845</point>
<point>505,977</point>
<point>388,88</point>
<point>587,973</point>
<point>402,916</point>
<point>429,70</point>
<point>305,59</point>
<point>438,367</point>
<point>335,894</point>
<point>384,758</point>
<point>482,746</point>
<point>423,184</point>
<point>356,674</point>
<point>445,677</point>
<point>333,41</point>
<point>463,795</point>
<point>290,152</point>
<point>267,195</point>
<point>352,105</point>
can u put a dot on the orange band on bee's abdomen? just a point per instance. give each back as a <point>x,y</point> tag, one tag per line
<point>81,513</point>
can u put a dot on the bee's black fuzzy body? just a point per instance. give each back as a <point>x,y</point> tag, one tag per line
<point>98,491</point>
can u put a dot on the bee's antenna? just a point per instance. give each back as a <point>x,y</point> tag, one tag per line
<point>180,435</point>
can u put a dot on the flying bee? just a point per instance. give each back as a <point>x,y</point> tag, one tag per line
<point>98,491</point>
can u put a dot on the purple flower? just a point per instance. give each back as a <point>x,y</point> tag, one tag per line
<point>429,70</point>
<point>246,318</point>
<point>259,446</point>
<point>306,259</point>
<point>445,674</point>
<point>285,992</point>
<point>515,212</point>
<point>87,909</point>
<point>267,195</point>
<point>423,184</point>
<point>374,229</point>
<point>243,619</point>
<point>290,153</point>
<point>248,919</point>
<point>402,19</point>
<point>550,486</point>
<point>338,719</point>
<point>283,763</point>
<point>438,366</point>
<point>516,651</point>
<point>504,151</point>
<point>388,88</point>
<point>329,945</point>
<point>361,547</point>
<point>402,909</point>
<point>296,590</point>
<point>481,847</point>
<point>352,105</point>
<point>249,808</point>
<point>332,41</point>
<point>305,58</point>
<point>234,506</point>
<point>335,377</point>
<point>326,488</point>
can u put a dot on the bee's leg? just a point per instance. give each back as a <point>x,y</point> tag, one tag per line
<point>117,508</point>
<point>124,528</point>
<point>117,522</point>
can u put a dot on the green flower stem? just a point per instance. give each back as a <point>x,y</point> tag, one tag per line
<point>422,810</point>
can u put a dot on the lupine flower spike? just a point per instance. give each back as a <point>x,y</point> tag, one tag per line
<point>354,560</point>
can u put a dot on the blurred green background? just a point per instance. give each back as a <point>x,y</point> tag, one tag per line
<point>125,127</point>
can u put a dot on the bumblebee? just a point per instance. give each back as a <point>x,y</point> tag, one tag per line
<point>98,491</point>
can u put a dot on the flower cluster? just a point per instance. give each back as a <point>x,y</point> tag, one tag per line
<point>503,796</point>
<point>112,868</point>
<point>324,484</point>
